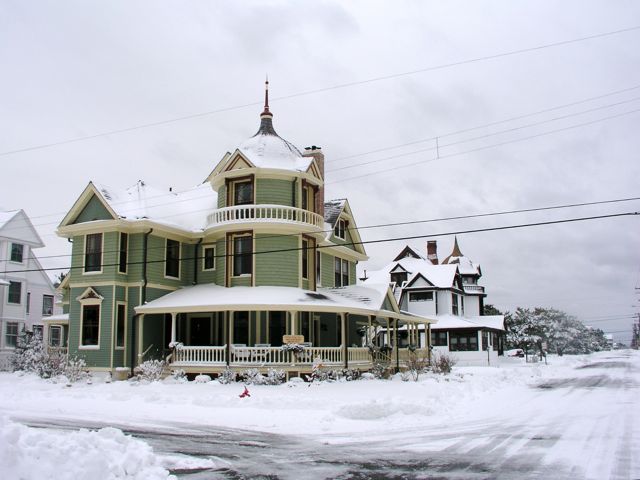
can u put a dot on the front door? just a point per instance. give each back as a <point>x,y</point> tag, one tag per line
<point>200,332</point>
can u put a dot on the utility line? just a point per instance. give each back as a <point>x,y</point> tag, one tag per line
<point>480,137</point>
<point>353,244</point>
<point>175,194</point>
<point>543,134</point>
<point>408,222</point>
<point>323,89</point>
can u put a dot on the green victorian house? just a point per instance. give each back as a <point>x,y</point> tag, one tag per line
<point>226,273</point>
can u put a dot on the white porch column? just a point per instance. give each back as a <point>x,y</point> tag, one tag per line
<point>294,318</point>
<point>343,339</point>
<point>140,339</point>
<point>173,328</point>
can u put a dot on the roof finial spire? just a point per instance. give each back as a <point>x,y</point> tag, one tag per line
<point>266,98</point>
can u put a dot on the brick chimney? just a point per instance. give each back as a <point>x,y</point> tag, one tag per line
<point>432,251</point>
<point>316,153</point>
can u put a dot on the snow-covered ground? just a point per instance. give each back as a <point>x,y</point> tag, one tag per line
<point>573,418</point>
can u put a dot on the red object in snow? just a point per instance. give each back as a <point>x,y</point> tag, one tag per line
<point>245,393</point>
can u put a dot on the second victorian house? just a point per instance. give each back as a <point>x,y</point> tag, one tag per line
<point>224,274</point>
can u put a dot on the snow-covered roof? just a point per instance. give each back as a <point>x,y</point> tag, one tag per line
<point>465,265</point>
<point>6,216</point>
<point>187,210</point>
<point>266,149</point>
<point>332,210</point>
<point>445,322</point>
<point>210,297</point>
<point>59,318</point>
<point>441,276</point>
<point>3,282</point>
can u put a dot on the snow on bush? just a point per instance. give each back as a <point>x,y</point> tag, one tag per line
<point>202,379</point>
<point>151,370</point>
<point>109,454</point>
<point>76,370</point>
<point>227,376</point>
<point>442,363</point>
<point>253,376</point>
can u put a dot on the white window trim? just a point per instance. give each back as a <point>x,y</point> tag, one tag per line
<point>166,242</point>
<point>84,255</point>
<point>85,302</point>
<point>204,248</point>
<point>24,248</point>
<point>126,265</point>
<point>233,250</point>
<point>115,332</point>
<point>53,304</point>
<point>344,229</point>
<point>7,302</point>
<point>422,291</point>
<point>61,340</point>
<point>4,336</point>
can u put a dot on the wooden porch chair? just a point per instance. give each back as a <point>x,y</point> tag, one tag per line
<point>240,352</point>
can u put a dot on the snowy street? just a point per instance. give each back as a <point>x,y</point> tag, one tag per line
<point>574,418</point>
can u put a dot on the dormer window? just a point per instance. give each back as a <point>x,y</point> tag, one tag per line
<point>340,228</point>
<point>399,277</point>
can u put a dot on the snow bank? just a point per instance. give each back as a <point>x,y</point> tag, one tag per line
<point>30,453</point>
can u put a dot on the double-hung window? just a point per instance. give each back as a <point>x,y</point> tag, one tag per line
<point>340,228</point>
<point>172,259</point>
<point>420,296</point>
<point>17,252</point>
<point>242,191</point>
<point>341,272</point>
<point>47,305</point>
<point>120,324</point>
<point>305,258</point>
<point>122,260</point>
<point>15,292</point>
<point>209,257</point>
<point>93,252</point>
<point>242,255</point>
<point>11,334</point>
<point>90,333</point>
<point>454,304</point>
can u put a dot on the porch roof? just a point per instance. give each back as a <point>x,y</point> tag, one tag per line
<point>354,299</point>
<point>58,318</point>
<point>446,322</point>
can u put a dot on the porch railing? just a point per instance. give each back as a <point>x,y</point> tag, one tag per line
<point>359,355</point>
<point>200,355</point>
<point>206,355</point>
<point>264,213</point>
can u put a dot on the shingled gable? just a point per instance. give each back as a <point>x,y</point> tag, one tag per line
<point>333,210</point>
<point>88,194</point>
<point>407,252</point>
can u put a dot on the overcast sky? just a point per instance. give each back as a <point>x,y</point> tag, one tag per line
<point>404,73</point>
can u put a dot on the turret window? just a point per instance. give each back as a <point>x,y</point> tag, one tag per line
<point>242,255</point>
<point>172,259</point>
<point>242,191</point>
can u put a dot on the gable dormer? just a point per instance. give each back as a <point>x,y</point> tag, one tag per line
<point>90,206</point>
<point>398,275</point>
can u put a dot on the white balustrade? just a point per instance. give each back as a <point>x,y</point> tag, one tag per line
<point>196,355</point>
<point>263,213</point>
<point>359,355</point>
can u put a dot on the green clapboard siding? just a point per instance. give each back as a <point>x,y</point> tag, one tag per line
<point>94,357</point>
<point>222,196</point>
<point>279,268</point>
<point>273,191</point>
<point>327,270</point>
<point>156,263</point>
<point>93,210</point>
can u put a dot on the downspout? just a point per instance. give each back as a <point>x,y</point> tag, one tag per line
<point>145,243</point>
<point>195,262</point>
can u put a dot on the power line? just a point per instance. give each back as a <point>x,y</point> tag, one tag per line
<point>493,134</point>
<point>408,222</point>
<point>543,134</point>
<point>382,240</point>
<point>491,124</point>
<point>320,90</point>
<point>175,194</point>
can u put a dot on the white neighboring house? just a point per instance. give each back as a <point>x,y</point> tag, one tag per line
<point>27,296</point>
<point>447,292</point>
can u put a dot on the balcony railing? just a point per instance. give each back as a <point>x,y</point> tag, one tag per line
<point>474,288</point>
<point>264,214</point>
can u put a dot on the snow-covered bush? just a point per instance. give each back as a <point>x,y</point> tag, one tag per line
<point>380,370</point>
<point>442,363</point>
<point>179,376</point>
<point>417,363</point>
<point>253,376</point>
<point>151,370</point>
<point>202,378</point>
<point>227,376</point>
<point>76,369</point>
<point>28,354</point>
<point>275,377</point>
